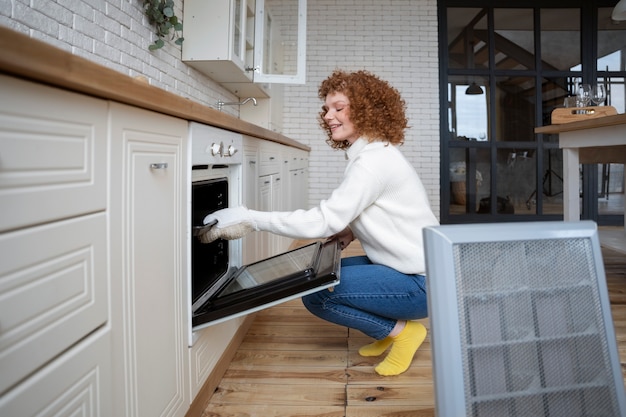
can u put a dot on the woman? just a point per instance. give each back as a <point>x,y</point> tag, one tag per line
<point>381,202</point>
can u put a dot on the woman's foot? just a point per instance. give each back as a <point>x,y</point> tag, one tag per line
<point>405,344</point>
<point>376,348</point>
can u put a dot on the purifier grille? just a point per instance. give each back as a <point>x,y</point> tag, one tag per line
<point>532,330</point>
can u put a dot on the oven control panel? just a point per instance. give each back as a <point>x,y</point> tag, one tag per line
<point>214,146</point>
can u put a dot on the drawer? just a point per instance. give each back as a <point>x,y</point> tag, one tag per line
<point>78,383</point>
<point>53,154</point>
<point>269,162</point>
<point>53,291</point>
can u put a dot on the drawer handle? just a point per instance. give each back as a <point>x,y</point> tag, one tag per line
<point>160,165</point>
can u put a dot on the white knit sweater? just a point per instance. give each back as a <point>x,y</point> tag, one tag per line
<point>381,198</point>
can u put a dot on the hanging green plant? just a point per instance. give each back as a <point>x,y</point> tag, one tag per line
<point>161,14</point>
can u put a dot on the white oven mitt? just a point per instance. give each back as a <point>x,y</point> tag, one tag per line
<point>232,223</point>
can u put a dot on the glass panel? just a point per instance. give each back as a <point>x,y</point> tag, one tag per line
<point>467,38</point>
<point>611,189</point>
<point>514,39</point>
<point>281,33</point>
<point>552,182</point>
<point>238,22</point>
<point>468,113</point>
<point>560,39</point>
<point>556,92</point>
<point>515,112</point>
<point>516,184</point>
<point>463,198</point>
<point>612,58</point>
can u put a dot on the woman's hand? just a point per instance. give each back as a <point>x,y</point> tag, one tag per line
<point>230,223</point>
<point>344,237</point>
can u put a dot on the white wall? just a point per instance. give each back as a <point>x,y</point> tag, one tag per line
<point>396,39</point>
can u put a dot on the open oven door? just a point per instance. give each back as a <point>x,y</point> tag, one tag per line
<point>265,283</point>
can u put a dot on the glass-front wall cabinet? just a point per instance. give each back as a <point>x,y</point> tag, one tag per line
<point>503,71</point>
<point>243,43</point>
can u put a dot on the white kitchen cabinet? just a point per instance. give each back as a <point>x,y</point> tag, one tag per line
<point>251,244</point>
<point>245,43</point>
<point>53,154</point>
<point>148,218</point>
<point>77,383</point>
<point>53,249</point>
<point>298,177</point>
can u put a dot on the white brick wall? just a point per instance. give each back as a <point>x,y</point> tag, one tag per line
<point>396,39</point>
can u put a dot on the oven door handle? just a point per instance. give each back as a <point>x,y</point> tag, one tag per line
<point>209,225</point>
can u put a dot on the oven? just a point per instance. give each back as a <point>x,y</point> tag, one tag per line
<point>216,183</point>
<point>220,287</point>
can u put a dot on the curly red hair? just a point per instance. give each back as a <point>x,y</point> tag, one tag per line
<point>378,112</point>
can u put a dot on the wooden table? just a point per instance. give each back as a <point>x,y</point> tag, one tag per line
<point>594,141</point>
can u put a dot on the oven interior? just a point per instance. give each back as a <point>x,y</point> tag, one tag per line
<point>208,261</point>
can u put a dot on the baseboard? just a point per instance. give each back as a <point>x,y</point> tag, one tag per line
<point>203,398</point>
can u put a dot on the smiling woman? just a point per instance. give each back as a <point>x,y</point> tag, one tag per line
<point>382,202</point>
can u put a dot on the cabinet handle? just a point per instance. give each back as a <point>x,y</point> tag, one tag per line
<point>252,162</point>
<point>160,165</point>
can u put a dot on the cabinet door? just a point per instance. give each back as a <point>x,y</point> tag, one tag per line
<point>77,383</point>
<point>148,216</point>
<point>250,174</point>
<point>280,41</point>
<point>53,291</point>
<point>53,155</point>
<point>265,204</point>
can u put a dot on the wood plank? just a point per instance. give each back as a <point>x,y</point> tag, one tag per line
<point>265,343</point>
<point>389,411</point>
<point>279,394</point>
<point>613,120</point>
<point>263,329</point>
<point>387,394</point>
<point>365,375</point>
<point>318,359</point>
<point>262,410</point>
<point>287,375</point>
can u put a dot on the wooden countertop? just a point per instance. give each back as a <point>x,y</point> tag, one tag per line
<point>613,120</point>
<point>32,59</point>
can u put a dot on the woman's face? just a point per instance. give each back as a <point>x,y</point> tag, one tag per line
<point>337,118</point>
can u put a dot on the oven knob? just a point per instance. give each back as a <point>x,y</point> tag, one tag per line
<point>231,151</point>
<point>216,148</point>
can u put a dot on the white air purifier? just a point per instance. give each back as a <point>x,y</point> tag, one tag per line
<point>520,321</point>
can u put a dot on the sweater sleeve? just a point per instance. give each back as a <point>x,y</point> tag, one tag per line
<point>359,188</point>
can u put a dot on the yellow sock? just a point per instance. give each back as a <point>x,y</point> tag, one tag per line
<point>405,344</point>
<point>376,348</point>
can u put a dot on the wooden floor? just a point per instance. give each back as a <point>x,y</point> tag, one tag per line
<point>294,364</point>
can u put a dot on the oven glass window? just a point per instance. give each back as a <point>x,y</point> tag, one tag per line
<point>281,266</point>
<point>208,261</point>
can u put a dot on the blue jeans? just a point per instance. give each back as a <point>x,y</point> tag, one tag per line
<point>370,298</point>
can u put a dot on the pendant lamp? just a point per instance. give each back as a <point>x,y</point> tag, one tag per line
<point>474,89</point>
<point>619,12</point>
